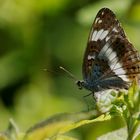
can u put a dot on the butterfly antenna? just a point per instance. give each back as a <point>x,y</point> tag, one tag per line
<point>69,74</point>
<point>52,71</point>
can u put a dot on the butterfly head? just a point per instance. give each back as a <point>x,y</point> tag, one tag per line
<point>80,84</point>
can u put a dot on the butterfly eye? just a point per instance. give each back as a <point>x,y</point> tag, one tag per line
<point>80,84</point>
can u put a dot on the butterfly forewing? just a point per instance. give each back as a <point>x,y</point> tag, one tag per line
<point>109,55</point>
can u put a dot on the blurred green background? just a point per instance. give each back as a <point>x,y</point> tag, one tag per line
<point>38,35</point>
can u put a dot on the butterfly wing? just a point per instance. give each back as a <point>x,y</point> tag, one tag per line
<point>109,56</point>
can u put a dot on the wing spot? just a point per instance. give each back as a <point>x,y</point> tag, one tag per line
<point>94,35</point>
<point>107,38</point>
<point>97,20</point>
<point>112,55</point>
<point>91,57</point>
<point>115,29</point>
<point>91,46</point>
<point>100,21</point>
<point>103,35</point>
<point>133,68</point>
<point>117,42</point>
<point>103,60</point>
<point>98,35</point>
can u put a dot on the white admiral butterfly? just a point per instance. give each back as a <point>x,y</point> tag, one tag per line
<point>110,60</point>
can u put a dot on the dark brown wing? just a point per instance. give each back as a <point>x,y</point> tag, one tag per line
<point>104,26</point>
<point>109,53</point>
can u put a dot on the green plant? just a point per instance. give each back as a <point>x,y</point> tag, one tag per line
<point>125,105</point>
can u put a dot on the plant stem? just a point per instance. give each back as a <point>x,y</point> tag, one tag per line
<point>132,125</point>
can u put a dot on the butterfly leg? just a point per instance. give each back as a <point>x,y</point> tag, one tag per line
<point>89,101</point>
<point>88,95</point>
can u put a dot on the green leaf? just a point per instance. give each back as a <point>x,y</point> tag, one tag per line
<point>120,134</point>
<point>12,132</point>
<point>63,137</point>
<point>62,123</point>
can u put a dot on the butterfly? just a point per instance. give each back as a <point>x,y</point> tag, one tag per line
<point>110,60</point>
